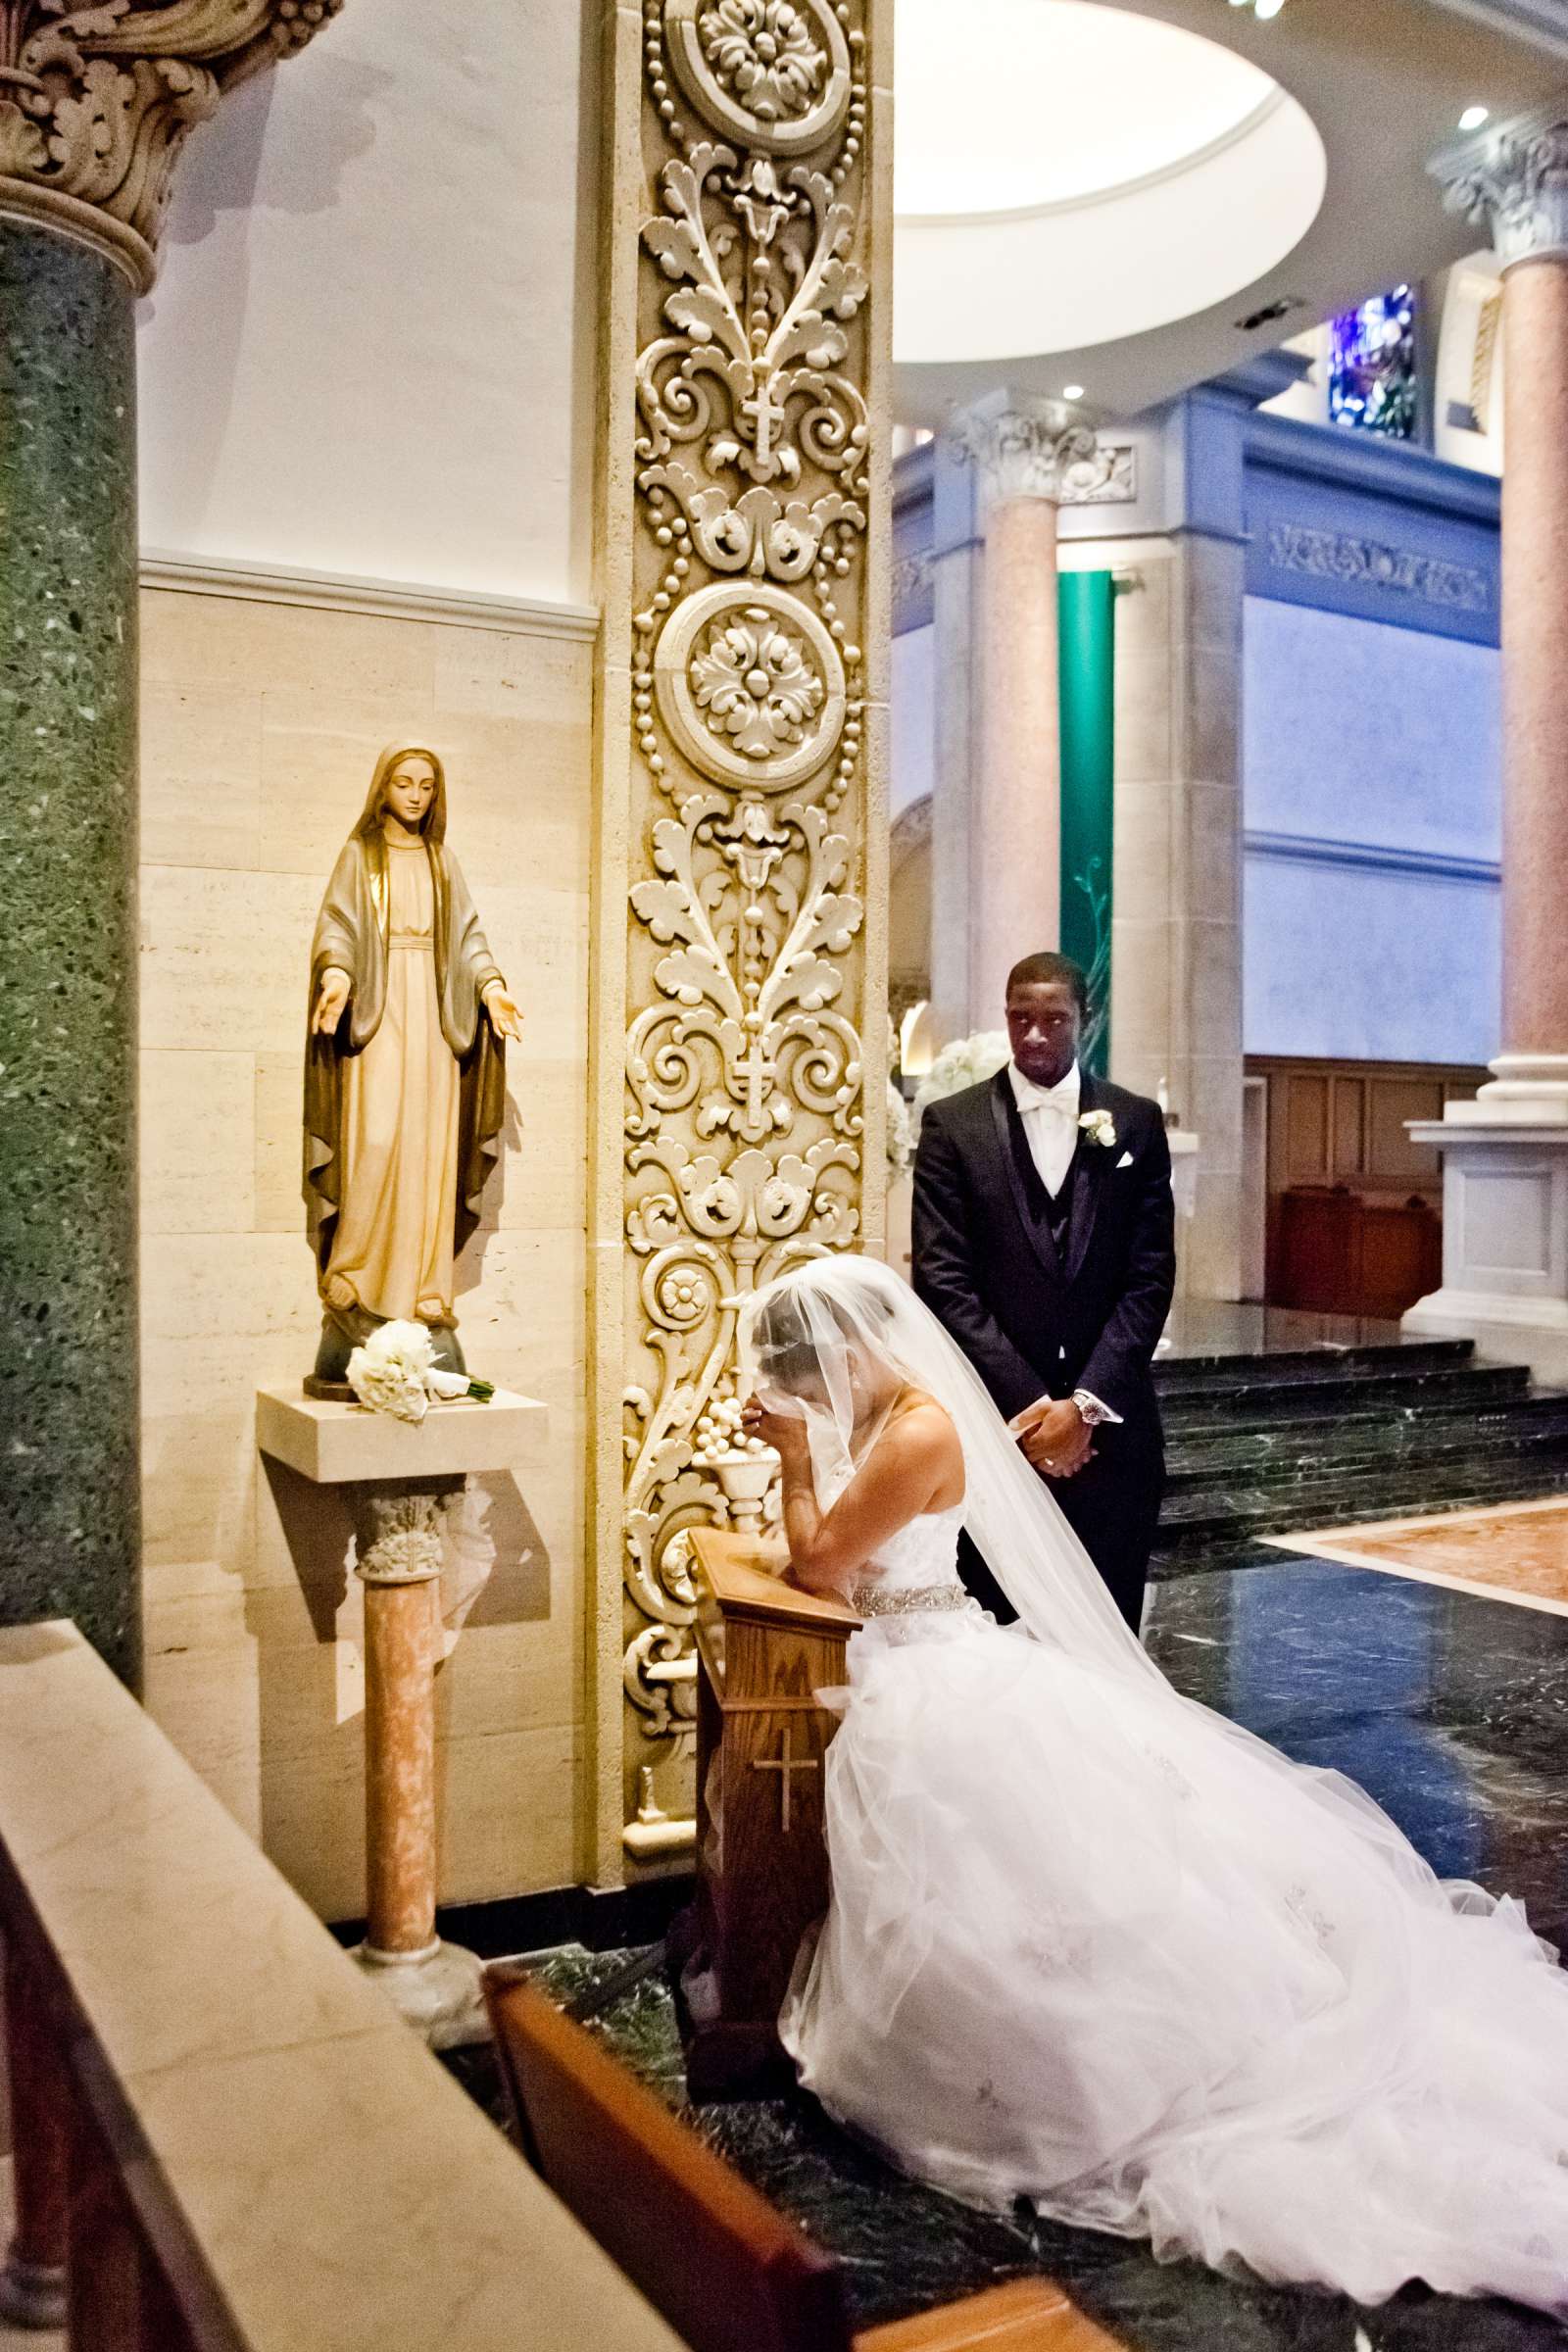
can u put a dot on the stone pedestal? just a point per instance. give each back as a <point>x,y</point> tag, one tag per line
<point>1505,1154</point>
<point>1504,1235</point>
<point>404,1476</point>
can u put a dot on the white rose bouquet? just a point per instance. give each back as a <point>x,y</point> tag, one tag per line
<point>395,1372</point>
<point>968,1061</point>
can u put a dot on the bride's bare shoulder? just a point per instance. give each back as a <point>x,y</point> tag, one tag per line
<point>923,1431</point>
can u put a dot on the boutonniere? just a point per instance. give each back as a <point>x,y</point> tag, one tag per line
<point>1098,1127</point>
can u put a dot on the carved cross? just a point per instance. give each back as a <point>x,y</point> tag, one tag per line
<point>763,413</point>
<point>784,1764</point>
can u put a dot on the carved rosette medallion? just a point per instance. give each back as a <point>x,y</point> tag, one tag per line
<point>750,686</point>
<point>744,1077</point>
<point>774,75</point>
<point>97,100</point>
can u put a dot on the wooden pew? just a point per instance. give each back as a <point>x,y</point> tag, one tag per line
<point>226,2140</point>
<point>728,2271</point>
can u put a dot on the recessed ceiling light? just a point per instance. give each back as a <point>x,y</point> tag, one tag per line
<point>1472,117</point>
<point>1072,391</point>
<point>1264,9</point>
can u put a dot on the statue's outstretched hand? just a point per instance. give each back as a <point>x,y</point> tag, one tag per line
<point>331,999</point>
<point>504,1018</point>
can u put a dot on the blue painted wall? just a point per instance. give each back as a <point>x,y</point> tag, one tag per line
<point>1371,756</point>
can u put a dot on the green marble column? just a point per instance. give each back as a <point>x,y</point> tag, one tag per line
<point>68,1488</point>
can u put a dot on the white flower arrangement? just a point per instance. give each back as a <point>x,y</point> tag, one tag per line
<point>395,1372</point>
<point>968,1061</point>
<point>1098,1127</point>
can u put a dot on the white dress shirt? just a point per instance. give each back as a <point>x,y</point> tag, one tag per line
<point>1050,1115</point>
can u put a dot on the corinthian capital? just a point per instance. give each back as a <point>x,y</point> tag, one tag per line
<point>1515,181</point>
<point>96,101</point>
<point>1024,446</point>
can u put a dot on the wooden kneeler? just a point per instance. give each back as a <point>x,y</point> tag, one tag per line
<point>727,2271</point>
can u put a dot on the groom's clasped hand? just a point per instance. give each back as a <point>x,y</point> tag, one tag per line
<point>1054,1437</point>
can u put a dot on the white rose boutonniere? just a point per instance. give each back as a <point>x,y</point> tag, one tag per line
<point>1098,1127</point>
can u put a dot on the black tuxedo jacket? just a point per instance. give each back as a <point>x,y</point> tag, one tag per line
<point>1035,1316</point>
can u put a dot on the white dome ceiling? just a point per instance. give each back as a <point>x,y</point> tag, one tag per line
<point>1049,101</point>
<point>1084,174</point>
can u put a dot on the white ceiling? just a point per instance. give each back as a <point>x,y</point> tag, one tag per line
<point>1138,234</point>
<point>971,139</point>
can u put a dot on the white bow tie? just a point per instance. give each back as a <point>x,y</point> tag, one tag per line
<point>1060,1106</point>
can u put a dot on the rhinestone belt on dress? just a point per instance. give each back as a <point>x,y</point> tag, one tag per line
<point>872,1601</point>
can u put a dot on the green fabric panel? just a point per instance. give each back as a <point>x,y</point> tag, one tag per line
<point>1087,641</point>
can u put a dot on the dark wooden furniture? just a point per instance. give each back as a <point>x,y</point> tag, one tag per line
<point>1343,1124</point>
<point>764,1650</point>
<point>727,2271</point>
<point>1342,1253</point>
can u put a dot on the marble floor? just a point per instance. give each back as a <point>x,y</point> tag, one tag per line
<point>1516,1551</point>
<point>1246,1327</point>
<point>1451,1709</point>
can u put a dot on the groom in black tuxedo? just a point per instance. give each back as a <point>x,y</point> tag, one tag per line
<point>1045,1244</point>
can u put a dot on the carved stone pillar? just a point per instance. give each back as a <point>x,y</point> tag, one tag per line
<point>1505,1154</point>
<point>96,103</point>
<point>996,818</point>
<point>744,567</point>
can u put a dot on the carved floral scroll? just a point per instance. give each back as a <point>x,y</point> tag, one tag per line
<point>745,1121</point>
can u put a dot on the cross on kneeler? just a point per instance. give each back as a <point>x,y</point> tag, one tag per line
<point>785,1763</point>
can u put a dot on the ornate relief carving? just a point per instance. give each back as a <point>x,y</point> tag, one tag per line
<point>1515,181</point>
<point>912,581</point>
<point>744,1077</point>
<point>1337,555</point>
<point>1029,448</point>
<point>96,102</point>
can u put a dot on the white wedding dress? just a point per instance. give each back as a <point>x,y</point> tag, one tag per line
<point>1091,1945</point>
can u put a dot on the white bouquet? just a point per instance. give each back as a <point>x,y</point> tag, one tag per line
<point>968,1061</point>
<point>395,1372</point>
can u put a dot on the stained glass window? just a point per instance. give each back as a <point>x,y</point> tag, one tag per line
<point>1372,366</point>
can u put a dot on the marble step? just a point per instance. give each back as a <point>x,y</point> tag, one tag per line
<point>1287,1448</point>
<point>1326,1399</point>
<point>1223,1515</point>
<point>1214,1375</point>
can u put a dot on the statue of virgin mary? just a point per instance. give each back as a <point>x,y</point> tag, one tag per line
<point>405,1071</point>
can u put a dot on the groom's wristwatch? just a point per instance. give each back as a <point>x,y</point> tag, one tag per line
<point>1091,1412</point>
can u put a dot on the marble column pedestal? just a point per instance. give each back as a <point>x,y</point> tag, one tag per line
<point>1505,1227</point>
<point>404,1476</point>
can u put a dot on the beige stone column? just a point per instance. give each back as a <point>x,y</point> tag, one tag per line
<point>997,824</point>
<point>737,966</point>
<point>1505,1154</point>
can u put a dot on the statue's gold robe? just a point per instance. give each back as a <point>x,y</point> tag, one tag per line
<point>404,1103</point>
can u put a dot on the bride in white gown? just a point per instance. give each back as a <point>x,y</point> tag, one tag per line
<point>1093,1945</point>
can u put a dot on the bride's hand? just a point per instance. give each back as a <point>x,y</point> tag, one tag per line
<point>784,1432</point>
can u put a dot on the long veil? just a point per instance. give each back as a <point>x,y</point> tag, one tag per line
<point>803,1337</point>
<point>1208,1995</point>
